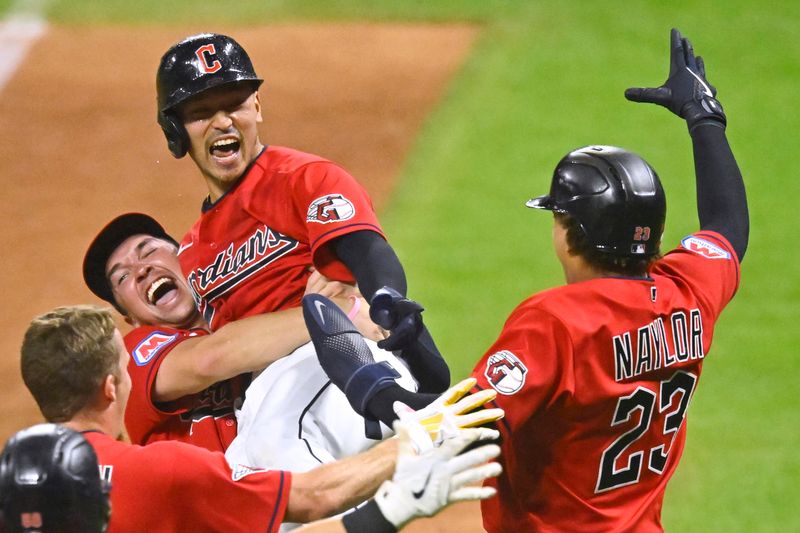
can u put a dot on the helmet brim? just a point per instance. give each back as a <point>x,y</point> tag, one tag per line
<point>542,202</point>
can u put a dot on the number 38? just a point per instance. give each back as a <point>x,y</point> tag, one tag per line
<point>642,399</point>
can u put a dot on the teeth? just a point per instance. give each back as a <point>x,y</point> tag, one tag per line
<point>154,287</point>
<point>223,143</point>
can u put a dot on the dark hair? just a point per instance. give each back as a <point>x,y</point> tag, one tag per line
<point>579,245</point>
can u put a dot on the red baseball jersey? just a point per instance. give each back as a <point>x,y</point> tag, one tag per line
<point>204,419</point>
<point>595,378</point>
<point>171,487</point>
<point>250,251</point>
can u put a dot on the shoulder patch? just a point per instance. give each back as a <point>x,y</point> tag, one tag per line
<point>505,372</point>
<point>240,471</point>
<point>705,248</point>
<point>151,345</point>
<point>330,208</point>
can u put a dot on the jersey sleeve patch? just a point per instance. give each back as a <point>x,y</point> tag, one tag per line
<point>704,248</point>
<point>505,372</point>
<point>330,208</point>
<point>240,471</point>
<point>151,345</point>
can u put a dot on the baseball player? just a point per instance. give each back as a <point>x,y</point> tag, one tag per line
<point>188,384</point>
<point>50,481</point>
<point>74,363</point>
<point>271,211</point>
<point>596,376</point>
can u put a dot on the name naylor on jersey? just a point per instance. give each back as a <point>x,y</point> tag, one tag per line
<point>150,346</point>
<point>651,347</point>
<point>237,263</point>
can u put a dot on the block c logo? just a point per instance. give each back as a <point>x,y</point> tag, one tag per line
<point>205,53</point>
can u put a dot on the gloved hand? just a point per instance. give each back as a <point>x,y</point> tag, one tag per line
<point>686,92</point>
<point>427,481</point>
<point>397,314</point>
<point>454,405</point>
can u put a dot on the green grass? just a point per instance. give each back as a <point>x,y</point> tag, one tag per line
<point>546,77</point>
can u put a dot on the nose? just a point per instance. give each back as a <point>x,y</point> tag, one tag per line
<point>142,270</point>
<point>221,120</point>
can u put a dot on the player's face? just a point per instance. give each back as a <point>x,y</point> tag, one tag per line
<point>222,125</point>
<point>145,277</point>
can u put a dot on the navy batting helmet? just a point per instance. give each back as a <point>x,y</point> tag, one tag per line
<point>192,66</point>
<point>50,482</point>
<point>615,196</point>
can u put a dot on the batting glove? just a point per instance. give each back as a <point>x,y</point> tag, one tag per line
<point>400,316</point>
<point>425,482</point>
<point>454,408</point>
<point>686,92</point>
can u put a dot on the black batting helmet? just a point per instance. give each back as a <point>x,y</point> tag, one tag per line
<point>615,196</point>
<point>50,482</point>
<point>192,66</point>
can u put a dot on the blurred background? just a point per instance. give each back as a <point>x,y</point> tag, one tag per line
<point>452,113</point>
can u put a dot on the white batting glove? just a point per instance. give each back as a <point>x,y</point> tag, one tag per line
<point>464,410</point>
<point>426,482</point>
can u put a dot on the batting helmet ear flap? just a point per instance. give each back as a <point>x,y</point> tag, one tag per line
<point>175,132</point>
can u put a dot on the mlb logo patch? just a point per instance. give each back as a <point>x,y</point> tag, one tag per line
<point>150,346</point>
<point>505,372</point>
<point>705,248</point>
<point>330,208</point>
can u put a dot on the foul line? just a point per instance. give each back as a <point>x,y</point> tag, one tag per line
<point>21,27</point>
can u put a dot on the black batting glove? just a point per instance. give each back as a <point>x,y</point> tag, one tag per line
<point>397,314</point>
<point>686,92</point>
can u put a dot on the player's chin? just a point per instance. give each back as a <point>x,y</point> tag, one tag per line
<point>227,170</point>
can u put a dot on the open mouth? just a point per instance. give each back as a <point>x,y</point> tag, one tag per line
<point>224,147</point>
<point>160,288</point>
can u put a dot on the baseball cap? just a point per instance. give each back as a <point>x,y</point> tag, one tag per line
<point>109,238</point>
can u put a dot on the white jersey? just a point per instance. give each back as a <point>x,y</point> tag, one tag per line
<point>293,417</point>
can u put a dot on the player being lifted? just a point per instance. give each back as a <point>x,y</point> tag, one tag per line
<point>271,212</point>
<point>187,382</point>
<point>595,376</point>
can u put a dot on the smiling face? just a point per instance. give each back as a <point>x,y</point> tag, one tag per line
<point>145,277</point>
<point>222,125</point>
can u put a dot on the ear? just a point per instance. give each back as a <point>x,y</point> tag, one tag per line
<point>110,388</point>
<point>257,102</point>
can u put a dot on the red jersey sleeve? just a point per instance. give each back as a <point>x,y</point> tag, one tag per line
<point>332,204</point>
<point>173,486</point>
<point>707,264</point>
<point>148,346</point>
<point>530,364</point>
<point>244,499</point>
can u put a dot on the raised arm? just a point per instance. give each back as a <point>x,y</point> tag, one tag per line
<point>382,281</point>
<point>721,198</point>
